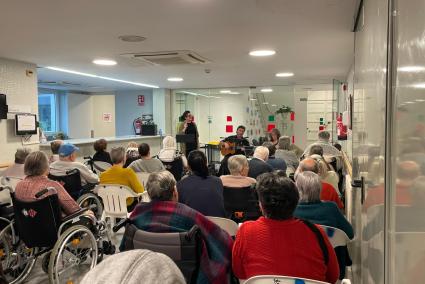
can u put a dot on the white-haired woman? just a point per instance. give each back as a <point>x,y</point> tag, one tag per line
<point>238,167</point>
<point>173,160</point>
<point>326,173</point>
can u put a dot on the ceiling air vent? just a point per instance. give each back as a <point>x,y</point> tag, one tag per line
<point>168,57</point>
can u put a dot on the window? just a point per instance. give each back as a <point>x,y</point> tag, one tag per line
<point>47,112</point>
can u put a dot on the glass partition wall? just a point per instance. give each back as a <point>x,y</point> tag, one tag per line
<point>219,111</point>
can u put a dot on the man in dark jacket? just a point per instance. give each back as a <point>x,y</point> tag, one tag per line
<point>258,165</point>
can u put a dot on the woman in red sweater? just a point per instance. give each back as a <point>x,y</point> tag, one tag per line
<point>278,243</point>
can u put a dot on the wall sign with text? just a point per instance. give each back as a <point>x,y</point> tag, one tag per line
<point>141,100</point>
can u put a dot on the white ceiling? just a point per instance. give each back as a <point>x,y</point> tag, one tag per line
<point>312,38</point>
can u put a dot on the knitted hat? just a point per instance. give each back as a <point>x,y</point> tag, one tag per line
<point>134,267</point>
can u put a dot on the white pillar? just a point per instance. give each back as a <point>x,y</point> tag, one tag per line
<point>162,110</point>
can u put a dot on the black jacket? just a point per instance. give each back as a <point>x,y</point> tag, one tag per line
<point>258,167</point>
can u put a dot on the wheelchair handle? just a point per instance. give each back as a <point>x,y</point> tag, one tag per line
<point>43,192</point>
<point>120,224</point>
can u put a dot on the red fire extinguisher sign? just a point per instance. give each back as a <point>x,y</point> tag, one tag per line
<point>141,100</point>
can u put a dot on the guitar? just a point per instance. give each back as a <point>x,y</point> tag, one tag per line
<point>228,147</point>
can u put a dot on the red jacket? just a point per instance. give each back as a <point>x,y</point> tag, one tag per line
<point>328,193</point>
<point>287,247</point>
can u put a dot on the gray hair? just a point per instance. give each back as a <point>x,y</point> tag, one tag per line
<point>307,165</point>
<point>284,142</point>
<point>117,155</point>
<point>309,186</point>
<point>21,155</point>
<point>236,164</point>
<point>322,165</point>
<point>324,135</point>
<point>160,186</point>
<point>262,153</point>
<point>36,164</point>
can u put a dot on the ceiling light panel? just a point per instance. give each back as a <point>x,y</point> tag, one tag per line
<point>267,90</point>
<point>285,74</point>
<point>263,52</point>
<point>100,77</point>
<point>105,62</point>
<point>175,79</point>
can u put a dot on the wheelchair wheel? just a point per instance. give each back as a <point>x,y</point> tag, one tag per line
<point>17,260</point>
<point>73,255</point>
<point>90,199</point>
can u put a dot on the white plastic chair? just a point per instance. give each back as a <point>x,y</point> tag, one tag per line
<point>230,226</point>
<point>114,197</point>
<point>101,166</point>
<point>336,236</point>
<point>143,177</point>
<point>274,279</point>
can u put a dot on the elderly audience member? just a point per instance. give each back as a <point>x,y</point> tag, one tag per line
<point>311,208</point>
<point>67,161</point>
<point>172,159</point>
<point>285,153</point>
<point>328,193</point>
<point>276,163</point>
<point>238,167</point>
<point>36,169</point>
<point>200,190</point>
<point>157,269</point>
<point>279,244</point>
<point>17,169</point>
<point>165,214</point>
<point>101,154</point>
<point>131,153</point>
<point>119,175</point>
<point>146,163</point>
<point>258,164</point>
<point>329,150</point>
<point>326,172</point>
<point>54,146</point>
<point>274,136</point>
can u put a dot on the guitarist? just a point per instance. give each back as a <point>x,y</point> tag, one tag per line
<point>239,142</point>
<point>238,139</point>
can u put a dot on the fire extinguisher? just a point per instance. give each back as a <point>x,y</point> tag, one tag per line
<point>137,125</point>
<point>341,129</point>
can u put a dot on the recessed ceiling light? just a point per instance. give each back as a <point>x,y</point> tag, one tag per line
<point>175,79</point>
<point>420,100</point>
<point>285,74</point>
<point>266,90</point>
<point>132,38</point>
<point>100,77</point>
<point>225,91</point>
<point>234,93</point>
<point>410,103</point>
<point>252,99</point>
<point>411,68</point>
<point>265,103</point>
<point>105,62</point>
<point>264,52</point>
<point>273,105</point>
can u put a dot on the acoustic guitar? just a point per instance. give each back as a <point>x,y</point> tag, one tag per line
<point>228,147</point>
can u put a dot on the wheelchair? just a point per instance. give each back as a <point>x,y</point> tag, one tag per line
<point>71,246</point>
<point>84,196</point>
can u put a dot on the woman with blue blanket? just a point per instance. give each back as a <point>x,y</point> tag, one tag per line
<point>165,214</point>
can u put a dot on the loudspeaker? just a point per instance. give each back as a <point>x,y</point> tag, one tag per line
<point>3,107</point>
<point>149,130</point>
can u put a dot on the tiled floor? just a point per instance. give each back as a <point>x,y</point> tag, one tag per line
<point>38,276</point>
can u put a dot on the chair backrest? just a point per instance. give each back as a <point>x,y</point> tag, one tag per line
<point>114,197</point>
<point>101,166</point>
<point>274,279</point>
<point>336,236</point>
<point>241,199</point>
<point>143,177</point>
<point>37,222</point>
<point>183,248</point>
<point>71,182</point>
<point>175,167</point>
<point>230,226</point>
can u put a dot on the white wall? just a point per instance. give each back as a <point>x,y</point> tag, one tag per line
<point>85,114</point>
<point>300,125</point>
<point>20,89</point>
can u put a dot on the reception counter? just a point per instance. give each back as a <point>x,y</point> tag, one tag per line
<point>86,145</point>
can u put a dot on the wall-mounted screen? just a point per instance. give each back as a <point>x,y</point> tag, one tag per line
<point>25,124</point>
